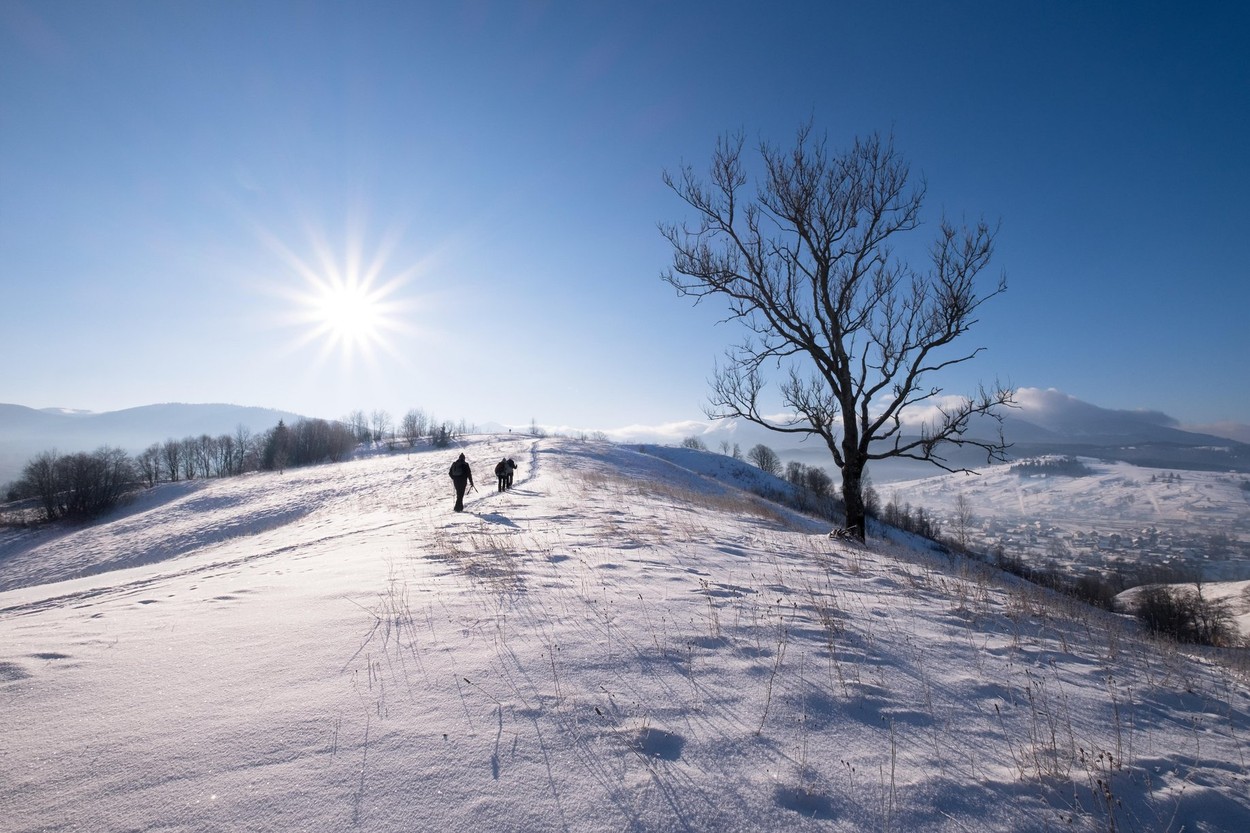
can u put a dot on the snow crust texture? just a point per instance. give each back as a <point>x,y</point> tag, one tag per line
<point>624,641</point>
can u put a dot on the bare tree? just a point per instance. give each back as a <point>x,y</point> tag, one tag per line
<point>40,479</point>
<point>359,425</point>
<point>380,421</point>
<point>205,454</point>
<point>818,481</point>
<point>963,519</point>
<point>79,485</point>
<point>414,426</point>
<point>765,458</point>
<point>148,464</point>
<point>189,457</point>
<point>224,461</point>
<point>171,454</point>
<point>807,265</point>
<point>244,448</point>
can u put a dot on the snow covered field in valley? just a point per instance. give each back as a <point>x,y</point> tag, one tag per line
<point>622,642</point>
<point>1119,497</point>
<point>1112,517</point>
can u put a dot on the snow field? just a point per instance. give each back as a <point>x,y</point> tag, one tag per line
<point>620,642</point>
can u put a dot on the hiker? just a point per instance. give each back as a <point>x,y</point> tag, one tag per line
<point>509,469</point>
<point>461,475</point>
<point>501,472</point>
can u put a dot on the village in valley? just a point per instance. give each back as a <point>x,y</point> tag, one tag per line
<point>1082,514</point>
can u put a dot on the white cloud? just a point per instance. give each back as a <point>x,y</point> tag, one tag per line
<point>930,413</point>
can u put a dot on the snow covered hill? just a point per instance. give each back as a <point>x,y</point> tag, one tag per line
<point>621,642</point>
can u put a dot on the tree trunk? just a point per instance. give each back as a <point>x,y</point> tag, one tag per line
<point>853,496</point>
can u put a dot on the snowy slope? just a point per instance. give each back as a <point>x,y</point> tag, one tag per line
<point>619,643</point>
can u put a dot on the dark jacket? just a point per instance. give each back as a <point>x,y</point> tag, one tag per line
<point>460,470</point>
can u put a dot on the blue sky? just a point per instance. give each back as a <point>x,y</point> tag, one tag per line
<point>177,179</point>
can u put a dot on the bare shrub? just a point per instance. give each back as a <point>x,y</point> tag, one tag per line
<point>1185,615</point>
<point>81,485</point>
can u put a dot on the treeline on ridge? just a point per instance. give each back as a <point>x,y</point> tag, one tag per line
<point>84,485</point>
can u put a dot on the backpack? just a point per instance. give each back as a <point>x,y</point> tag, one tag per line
<point>459,469</point>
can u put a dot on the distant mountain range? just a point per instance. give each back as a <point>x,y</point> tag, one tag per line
<point>25,432</point>
<point>1052,422</point>
<point>1051,415</point>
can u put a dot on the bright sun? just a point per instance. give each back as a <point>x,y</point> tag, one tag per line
<point>349,313</point>
<point>344,304</point>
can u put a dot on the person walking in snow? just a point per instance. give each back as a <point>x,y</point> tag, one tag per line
<point>501,473</point>
<point>509,468</point>
<point>461,476</point>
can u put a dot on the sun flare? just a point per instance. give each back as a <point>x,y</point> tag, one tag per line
<point>348,305</point>
<point>348,312</point>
